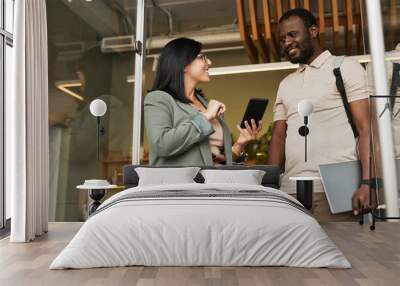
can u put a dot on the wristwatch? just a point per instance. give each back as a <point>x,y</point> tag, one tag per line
<point>370,182</point>
<point>242,157</point>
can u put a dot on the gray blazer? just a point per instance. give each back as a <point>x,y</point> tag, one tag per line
<point>178,134</point>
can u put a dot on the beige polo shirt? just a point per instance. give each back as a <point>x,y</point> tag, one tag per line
<point>330,139</point>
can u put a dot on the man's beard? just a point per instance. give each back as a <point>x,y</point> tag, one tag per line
<point>306,52</point>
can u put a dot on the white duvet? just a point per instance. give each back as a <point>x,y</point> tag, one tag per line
<point>188,231</point>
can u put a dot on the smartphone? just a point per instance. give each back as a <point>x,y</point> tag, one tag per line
<point>255,110</point>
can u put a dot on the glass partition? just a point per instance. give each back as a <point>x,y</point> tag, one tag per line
<point>9,15</point>
<point>6,60</point>
<point>243,36</point>
<point>8,89</point>
<point>2,175</point>
<point>91,56</point>
<point>391,19</point>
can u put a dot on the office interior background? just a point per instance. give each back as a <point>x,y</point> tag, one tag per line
<point>91,55</point>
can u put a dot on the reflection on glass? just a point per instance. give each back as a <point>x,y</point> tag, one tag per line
<point>391,18</point>
<point>82,69</point>
<point>214,24</point>
<point>9,15</point>
<point>90,56</point>
<point>8,70</point>
<point>393,68</point>
<point>237,34</point>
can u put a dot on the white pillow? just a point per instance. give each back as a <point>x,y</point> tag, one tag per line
<point>248,177</point>
<point>164,176</point>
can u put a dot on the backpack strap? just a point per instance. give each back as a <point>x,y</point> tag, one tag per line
<point>340,86</point>
<point>395,83</point>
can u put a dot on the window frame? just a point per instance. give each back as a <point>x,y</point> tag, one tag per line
<point>6,39</point>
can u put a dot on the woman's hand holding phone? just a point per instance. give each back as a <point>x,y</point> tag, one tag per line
<point>248,133</point>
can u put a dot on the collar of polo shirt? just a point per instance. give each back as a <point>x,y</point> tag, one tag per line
<point>318,62</point>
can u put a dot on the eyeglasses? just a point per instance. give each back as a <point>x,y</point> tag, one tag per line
<point>202,57</point>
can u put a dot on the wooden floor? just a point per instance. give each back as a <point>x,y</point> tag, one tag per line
<point>375,257</point>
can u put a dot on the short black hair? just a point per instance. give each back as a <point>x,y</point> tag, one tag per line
<point>175,56</point>
<point>306,16</point>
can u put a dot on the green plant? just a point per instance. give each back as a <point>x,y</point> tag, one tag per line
<point>257,150</point>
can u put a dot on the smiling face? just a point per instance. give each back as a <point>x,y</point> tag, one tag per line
<point>197,70</point>
<point>296,40</point>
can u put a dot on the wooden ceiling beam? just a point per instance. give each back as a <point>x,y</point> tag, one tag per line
<point>255,34</point>
<point>268,35</point>
<point>307,5</point>
<point>336,27</point>
<point>349,27</point>
<point>244,35</point>
<point>279,9</point>
<point>321,19</point>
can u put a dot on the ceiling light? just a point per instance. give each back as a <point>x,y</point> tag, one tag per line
<point>64,86</point>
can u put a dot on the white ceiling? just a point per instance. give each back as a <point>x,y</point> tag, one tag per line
<point>107,19</point>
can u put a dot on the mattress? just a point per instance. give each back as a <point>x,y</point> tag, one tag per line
<point>201,225</point>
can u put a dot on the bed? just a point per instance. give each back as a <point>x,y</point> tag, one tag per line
<point>201,224</point>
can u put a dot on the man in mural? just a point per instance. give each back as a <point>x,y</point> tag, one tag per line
<point>331,137</point>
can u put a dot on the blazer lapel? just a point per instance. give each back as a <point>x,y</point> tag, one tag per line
<point>204,146</point>
<point>202,100</point>
<point>227,141</point>
<point>227,134</point>
<point>186,107</point>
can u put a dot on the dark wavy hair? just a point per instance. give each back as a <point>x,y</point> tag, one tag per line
<point>175,56</point>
